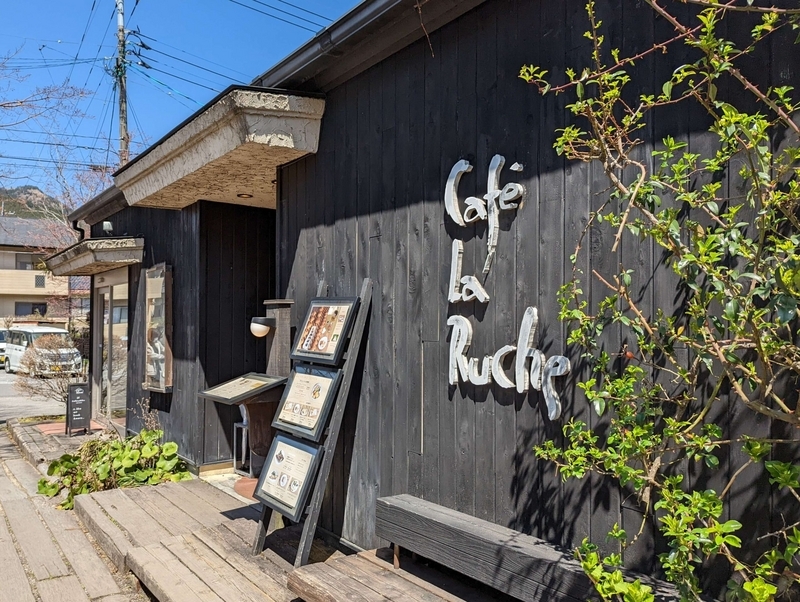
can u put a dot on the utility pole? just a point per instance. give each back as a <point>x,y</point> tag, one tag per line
<point>124,137</point>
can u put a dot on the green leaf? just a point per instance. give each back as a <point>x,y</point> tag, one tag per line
<point>150,450</point>
<point>131,458</point>
<point>169,449</point>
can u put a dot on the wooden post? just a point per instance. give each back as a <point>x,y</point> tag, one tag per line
<point>396,556</point>
<point>261,532</point>
<point>279,341</point>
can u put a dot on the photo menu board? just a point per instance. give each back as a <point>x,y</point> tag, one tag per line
<point>325,330</point>
<point>307,401</point>
<point>288,475</point>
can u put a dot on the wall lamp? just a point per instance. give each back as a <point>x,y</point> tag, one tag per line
<point>260,327</point>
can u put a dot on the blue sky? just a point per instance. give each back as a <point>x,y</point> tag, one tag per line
<point>196,48</point>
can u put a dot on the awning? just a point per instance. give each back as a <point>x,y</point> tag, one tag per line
<point>96,255</point>
<point>227,152</point>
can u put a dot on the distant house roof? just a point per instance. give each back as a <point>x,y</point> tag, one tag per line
<point>80,283</point>
<point>35,233</point>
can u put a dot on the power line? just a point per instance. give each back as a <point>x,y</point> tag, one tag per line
<point>11,35</point>
<point>83,36</point>
<point>151,49</point>
<point>305,10</point>
<point>160,88</point>
<point>165,88</point>
<point>48,65</point>
<point>146,37</point>
<point>101,46</point>
<point>274,17</point>
<point>26,131</point>
<point>146,60</point>
<point>40,160</point>
<point>287,13</point>
<point>188,81</point>
<point>40,143</point>
<point>89,167</point>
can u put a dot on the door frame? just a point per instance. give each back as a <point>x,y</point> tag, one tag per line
<point>103,284</point>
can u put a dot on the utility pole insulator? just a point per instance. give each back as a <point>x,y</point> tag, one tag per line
<point>124,137</point>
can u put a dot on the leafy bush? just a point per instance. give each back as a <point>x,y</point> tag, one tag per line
<point>101,465</point>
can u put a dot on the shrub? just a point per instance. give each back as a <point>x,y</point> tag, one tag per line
<point>101,464</point>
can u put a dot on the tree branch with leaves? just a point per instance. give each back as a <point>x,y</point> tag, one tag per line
<point>739,318</point>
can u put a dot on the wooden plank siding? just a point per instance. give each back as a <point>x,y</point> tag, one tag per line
<point>223,269</point>
<point>370,203</point>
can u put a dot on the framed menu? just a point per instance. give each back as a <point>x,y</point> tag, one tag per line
<point>323,334</point>
<point>242,387</point>
<point>288,475</point>
<point>307,400</point>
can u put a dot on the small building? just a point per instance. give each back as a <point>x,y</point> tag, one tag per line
<point>336,166</point>
<point>27,289</point>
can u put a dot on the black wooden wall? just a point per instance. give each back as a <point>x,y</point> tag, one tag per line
<point>370,203</point>
<point>222,257</point>
<point>237,273</point>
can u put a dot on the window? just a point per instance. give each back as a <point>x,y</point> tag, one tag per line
<point>29,261</point>
<point>39,281</point>
<point>29,309</point>
<point>80,306</point>
<point>3,336</point>
<point>120,315</point>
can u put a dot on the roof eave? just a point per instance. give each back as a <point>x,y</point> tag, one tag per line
<point>366,35</point>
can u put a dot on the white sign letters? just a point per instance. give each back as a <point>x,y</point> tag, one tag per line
<point>541,371</point>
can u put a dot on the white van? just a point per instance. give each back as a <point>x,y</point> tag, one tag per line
<point>55,359</point>
<point>3,335</point>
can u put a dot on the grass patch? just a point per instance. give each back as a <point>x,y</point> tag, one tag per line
<point>36,419</point>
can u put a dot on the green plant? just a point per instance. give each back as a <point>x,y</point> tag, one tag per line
<point>735,256</point>
<point>101,465</point>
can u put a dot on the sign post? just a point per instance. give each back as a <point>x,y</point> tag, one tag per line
<point>79,408</point>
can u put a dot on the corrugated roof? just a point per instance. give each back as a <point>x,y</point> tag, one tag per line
<point>35,233</point>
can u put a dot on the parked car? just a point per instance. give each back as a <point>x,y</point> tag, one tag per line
<point>3,336</point>
<point>41,351</point>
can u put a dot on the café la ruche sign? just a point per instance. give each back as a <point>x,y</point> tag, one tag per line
<point>531,367</point>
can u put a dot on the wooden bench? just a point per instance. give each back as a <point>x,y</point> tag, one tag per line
<point>519,565</point>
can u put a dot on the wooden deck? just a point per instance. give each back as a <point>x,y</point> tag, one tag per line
<point>371,577</point>
<point>190,541</point>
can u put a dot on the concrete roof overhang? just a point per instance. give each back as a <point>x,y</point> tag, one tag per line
<point>95,255</point>
<point>227,152</point>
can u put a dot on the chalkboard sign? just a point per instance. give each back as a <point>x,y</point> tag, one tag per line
<point>79,408</point>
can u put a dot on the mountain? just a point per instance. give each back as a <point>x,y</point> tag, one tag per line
<point>26,202</point>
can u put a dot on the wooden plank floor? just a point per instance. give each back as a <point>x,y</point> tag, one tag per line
<point>190,541</point>
<point>45,556</point>
<point>371,577</point>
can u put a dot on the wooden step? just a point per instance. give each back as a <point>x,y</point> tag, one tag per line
<point>111,539</point>
<point>78,550</point>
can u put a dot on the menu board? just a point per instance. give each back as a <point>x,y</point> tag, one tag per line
<point>287,476</point>
<point>307,401</point>
<point>242,387</point>
<point>324,332</point>
<point>79,408</point>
